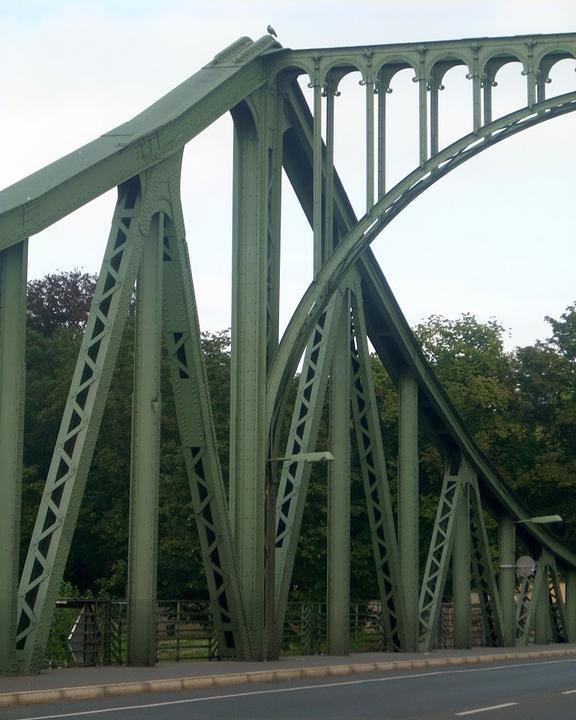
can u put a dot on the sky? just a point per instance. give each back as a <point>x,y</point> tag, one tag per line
<point>496,238</point>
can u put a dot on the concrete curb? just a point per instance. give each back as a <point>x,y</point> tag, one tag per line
<point>91,692</point>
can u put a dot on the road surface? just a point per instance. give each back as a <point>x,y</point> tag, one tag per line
<point>529,690</point>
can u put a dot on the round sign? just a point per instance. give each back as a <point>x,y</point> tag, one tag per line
<point>525,566</point>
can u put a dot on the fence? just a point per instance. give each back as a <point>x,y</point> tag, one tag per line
<point>94,632</point>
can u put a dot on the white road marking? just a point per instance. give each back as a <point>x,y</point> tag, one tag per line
<point>343,683</point>
<point>568,692</point>
<point>486,709</point>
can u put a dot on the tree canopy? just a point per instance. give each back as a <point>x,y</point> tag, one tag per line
<point>520,407</point>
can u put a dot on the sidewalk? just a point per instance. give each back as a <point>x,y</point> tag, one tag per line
<point>54,686</point>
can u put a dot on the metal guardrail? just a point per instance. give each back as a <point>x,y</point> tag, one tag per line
<point>185,631</point>
<point>94,632</point>
<point>87,632</point>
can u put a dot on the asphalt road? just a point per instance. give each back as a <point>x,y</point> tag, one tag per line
<point>532,690</point>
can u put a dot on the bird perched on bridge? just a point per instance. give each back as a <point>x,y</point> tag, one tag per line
<point>270,30</point>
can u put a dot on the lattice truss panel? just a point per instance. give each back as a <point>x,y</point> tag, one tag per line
<point>275,129</point>
<point>439,555</point>
<point>46,558</point>
<point>540,595</point>
<point>483,571</point>
<point>374,477</point>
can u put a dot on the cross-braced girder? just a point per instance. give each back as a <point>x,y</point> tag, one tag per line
<point>347,300</point>
<point>483,570</point>
<point>375,479</point>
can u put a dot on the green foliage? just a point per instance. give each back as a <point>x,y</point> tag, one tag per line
<point>60,300</point>
<point>520,407</point>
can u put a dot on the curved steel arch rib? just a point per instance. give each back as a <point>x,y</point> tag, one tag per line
<point>368,228</point>
<point>354,249</point>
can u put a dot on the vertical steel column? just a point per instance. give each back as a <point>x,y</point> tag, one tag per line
<point>338,511</point>
<point>302,436</point>
<point>331,89</point>
<point>434,113</point>
<point>408,504</point>
<point>193,410</point>
<point>441,548</point>
<point>507,546</point>
<point>248,364</point>
<point>338,531</point>
<point>461,567</point>
<point>274,221</point>
<point>13,271</point>
<point>541,85</point>
<point>317,179</point>
<point>274,178</point>
<point>369,143</point>
<point>145,468</point>
<point>488,85</point>
<point>571,603</point>
<point>483,570</point>
<point>423,113</point>
<point>531,82</point>
<point>542,609</point>
<point>383,90</point>
<point>476,94</point>
<point>375,481</point>
<point>557,616</point>
<point>56,519</point>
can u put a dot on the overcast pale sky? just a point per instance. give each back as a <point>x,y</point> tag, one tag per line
<point>496,238</point>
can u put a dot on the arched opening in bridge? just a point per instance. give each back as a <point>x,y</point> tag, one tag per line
<point>510,90</point>
<point>455,106</point>
<point>562,77</point>
<point>401,126</point>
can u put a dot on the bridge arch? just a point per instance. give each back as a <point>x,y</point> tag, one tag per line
<point>371,225</point>
<point>444,62</point>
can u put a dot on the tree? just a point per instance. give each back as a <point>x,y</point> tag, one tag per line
<point>546,385</point>
<point>60,300</point>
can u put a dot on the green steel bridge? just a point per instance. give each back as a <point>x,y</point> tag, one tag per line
<point>249,539</point>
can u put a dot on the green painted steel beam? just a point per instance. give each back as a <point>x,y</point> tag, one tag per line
<point>558,617</point>
<point>198,438</point>
<point>64,488</point>
<point>456,479</point>
<point>507,558</point>
<point>483,570</point>
<point>409,54</point>
<point>461,570</point>
<point>571,604</point>
<point>248,431</point>
<point>409,504</point>
<point>338,511</point>
<point>145,464</point>
<point>13,271</point>
<point>530,603</point>
<point>302,436</point>
<point>375,481</point>
<point>41,199</point>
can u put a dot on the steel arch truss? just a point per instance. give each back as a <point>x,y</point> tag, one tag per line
<point>249,542</point>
